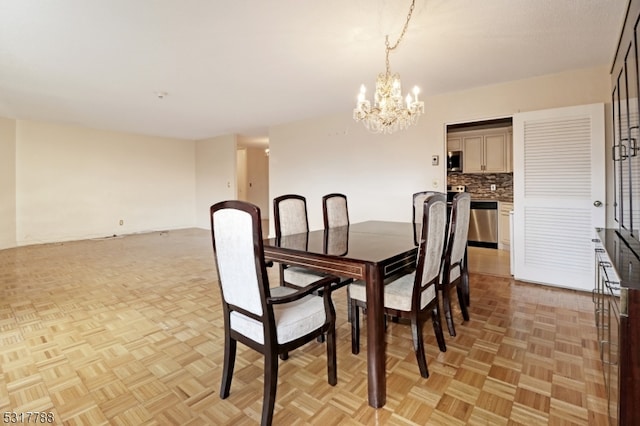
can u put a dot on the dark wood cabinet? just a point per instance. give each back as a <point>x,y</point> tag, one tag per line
<point>607,301</point>
<point>617,251</point>
<point>626,124</point>
<point>617,316</point>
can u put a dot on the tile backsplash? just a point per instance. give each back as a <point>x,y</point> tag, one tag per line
<point>479,185</point>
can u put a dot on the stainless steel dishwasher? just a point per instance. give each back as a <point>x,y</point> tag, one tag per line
<point>483,224</point>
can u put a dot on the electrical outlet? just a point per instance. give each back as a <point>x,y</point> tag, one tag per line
<point>121,222</point>
<point>493,187</point>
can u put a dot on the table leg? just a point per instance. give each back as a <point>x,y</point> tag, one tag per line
<point>375,338</point>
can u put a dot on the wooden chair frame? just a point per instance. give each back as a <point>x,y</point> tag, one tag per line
<point>271,349</point>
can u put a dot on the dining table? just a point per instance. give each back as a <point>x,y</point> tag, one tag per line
<point>370,251</point>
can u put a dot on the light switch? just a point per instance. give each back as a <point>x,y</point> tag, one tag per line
<point>435,160</point>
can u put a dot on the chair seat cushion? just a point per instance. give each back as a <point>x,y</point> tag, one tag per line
<point>301,277</point>
<point>397,293</point>
<point>293,319</point>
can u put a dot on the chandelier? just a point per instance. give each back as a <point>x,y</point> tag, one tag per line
<point>390,112</point>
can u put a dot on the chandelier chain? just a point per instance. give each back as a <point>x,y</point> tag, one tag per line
<point>404,30</point>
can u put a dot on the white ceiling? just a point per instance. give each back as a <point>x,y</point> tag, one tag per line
<point>241,66</point>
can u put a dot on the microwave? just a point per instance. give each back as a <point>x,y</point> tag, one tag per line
<point>454,161</point>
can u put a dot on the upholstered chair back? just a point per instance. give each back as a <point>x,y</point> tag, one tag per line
<point>335,210</point>
<point>461,211</point>
<point>418,203</point>
<point>236,231</point>
<point>290,215</point>
<point>433,236</point>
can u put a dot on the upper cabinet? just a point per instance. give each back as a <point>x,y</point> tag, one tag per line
<point>454,143</point>
<point>484,151</point>
<point>625,85</point>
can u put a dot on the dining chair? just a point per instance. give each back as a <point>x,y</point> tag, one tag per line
<point>271,321</point>
<point>290,217</point>
<point>335,215</point>
<point>455,272</point>
<point>413,296</point>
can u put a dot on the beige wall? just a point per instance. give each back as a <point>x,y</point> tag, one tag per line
<point>216,177</point>
<point>379,173</point>
<point>74,183</point>
<point>7,183</point>
<point>63,182</point>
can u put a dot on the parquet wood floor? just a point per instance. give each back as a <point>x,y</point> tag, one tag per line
<point>489,261</point>
<point>128,331</point>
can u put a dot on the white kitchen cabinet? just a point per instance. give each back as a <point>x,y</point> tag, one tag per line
<point>454,143</point>
<point>473,153</point>
<point>486,151</point>
<point>504,230</point>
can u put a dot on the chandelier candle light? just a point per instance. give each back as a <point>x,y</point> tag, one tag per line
<point>389,112</point>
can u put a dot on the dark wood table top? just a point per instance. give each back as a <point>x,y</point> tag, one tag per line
<point>369,242</point>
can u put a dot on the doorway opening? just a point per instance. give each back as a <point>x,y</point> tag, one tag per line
<point>252,174</point>
<point>483,167</point>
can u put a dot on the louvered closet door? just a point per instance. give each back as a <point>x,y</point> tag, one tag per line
<point>559,179</point>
